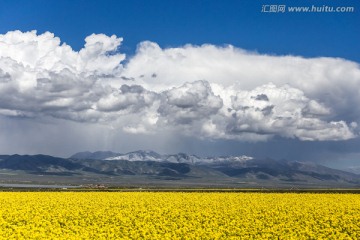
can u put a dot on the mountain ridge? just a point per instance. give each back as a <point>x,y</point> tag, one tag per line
<point>149,155</point>
<point>149,167</point>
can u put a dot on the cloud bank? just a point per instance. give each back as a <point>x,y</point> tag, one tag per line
<point>202,91</point>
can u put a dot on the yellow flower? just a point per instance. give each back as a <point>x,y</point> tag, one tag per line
<point>144,215</point>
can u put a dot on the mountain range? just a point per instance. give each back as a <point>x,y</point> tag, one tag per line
<point>149,155</point>
<point>148,168</point>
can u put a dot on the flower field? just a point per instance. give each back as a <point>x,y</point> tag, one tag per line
<point>143,215</point>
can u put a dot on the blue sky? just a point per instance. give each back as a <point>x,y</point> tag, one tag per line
<point>271,94</point>
<point>175,23</point>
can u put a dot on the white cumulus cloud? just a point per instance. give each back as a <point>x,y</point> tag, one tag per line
<point>202,91</point>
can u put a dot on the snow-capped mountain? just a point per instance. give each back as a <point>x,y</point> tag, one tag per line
<point>148,155</point>
<point>142,167</point>
<point>175,158</point>
<point>137,156</point>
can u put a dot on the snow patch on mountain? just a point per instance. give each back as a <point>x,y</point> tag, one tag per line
<point>176,158</point>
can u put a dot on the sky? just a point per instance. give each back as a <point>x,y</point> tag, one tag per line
<point>201,77</point>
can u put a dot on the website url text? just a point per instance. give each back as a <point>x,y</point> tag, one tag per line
<point>308,9</point>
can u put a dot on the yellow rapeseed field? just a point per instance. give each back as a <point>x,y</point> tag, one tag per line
<point>143,215</point>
